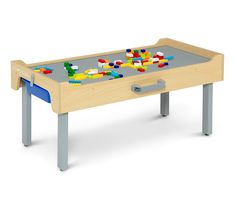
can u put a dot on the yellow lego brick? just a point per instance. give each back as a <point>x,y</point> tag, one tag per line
<point>138,66</point>
<point>37,71</point>
<point>87,71</point>
<point>106,66</point>
<point>97,76</point>
<point>147,63</point>
<point>133,66</point>
<point>76,84</point>
<point>107,71</point>
<point>80,76</point>
<point>124,65</point>
<point>163,60</point>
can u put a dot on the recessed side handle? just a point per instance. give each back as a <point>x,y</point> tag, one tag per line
<point>143,89</point>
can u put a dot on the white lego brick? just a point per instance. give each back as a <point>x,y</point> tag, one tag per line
<point>129,55</point>
<point>160,54</point>
<point>137,63</point>
<point>93,71</point>
<point>155,59</point>
<point>75,67</point>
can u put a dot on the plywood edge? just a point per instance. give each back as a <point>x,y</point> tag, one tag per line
<point>15,79</point>
<point>219,62</point>
<point>21,70</point>
<point>187,47</point>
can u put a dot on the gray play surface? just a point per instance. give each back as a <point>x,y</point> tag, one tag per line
<point>181,58</point>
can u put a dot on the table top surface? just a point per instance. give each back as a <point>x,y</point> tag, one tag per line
<point>181,59</point>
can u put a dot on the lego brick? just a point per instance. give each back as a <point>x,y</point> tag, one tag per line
<point>75,67</point>
<point>97,76</point>
<point>169,57</point>
<point>155,59</point>
<point>113,73</point>
<point>92,71</point>
<point>103,73</point>
<point>137,64</point>
<point>74,81</point>
<point>124,65</point>
<point>80,76</point>
<point>163,60</point>
<point>47,71</point>
<point>136,55</point>
<point>147,63</point>
<point>141,70</point>
<point>137,58</point>
<point>42,70</point>
<point>119,62</point>
<point>76,84</point>
<point>161,65</point>
<point>106,66</point>
<point>129,55</point>
<point>101,60</point>
<point>143,50</point>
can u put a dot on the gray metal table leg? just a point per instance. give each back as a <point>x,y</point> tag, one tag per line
<point>62,151</point>
<point>165,104</point>
<point>207,109</point>
<point>26,116</point>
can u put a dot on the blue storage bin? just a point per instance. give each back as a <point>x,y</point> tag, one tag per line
<point>37,91</point>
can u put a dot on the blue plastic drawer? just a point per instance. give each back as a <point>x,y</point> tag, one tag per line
<point>37,91</point>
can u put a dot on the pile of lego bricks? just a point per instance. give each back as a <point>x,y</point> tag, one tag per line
<point>137,59</point>
<point>43,69</point>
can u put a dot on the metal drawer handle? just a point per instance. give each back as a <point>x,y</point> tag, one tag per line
<point>142,89</point>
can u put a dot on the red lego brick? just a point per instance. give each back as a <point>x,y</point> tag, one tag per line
<point>161,65</point>
<point>101,60</point>
<point>119,63</point>
<point>47,71</point>
<point>103,73</point>
<point>136,55</point>
<point>142,70</point>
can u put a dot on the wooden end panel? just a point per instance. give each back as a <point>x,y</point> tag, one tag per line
<point>21,70</point>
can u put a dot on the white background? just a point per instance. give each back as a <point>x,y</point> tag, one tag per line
<point>122,155</point>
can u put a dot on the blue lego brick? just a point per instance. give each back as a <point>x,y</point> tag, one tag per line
<point>169,57</point>
<point>42,66</point>
<point>74,81</point>
<point>113,73</point>
<point>137,58</point>
<point>37,91</point>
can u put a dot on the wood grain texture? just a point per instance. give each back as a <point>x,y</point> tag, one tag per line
<point>20,70</point>
<point>67,98</point>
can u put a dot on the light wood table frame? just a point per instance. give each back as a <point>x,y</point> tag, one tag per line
<point>65,98</point>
